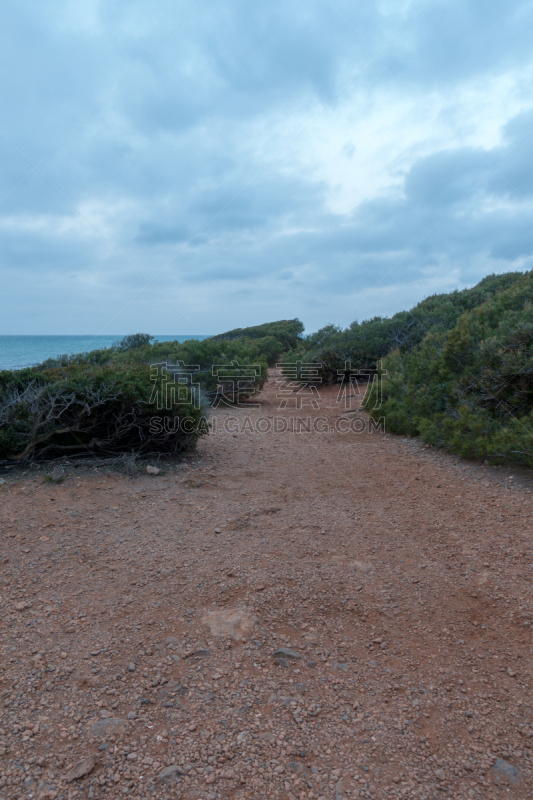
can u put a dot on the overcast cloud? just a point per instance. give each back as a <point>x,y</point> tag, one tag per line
<point>189,167</point>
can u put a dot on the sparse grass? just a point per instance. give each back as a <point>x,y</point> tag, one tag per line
<point>50,477</point>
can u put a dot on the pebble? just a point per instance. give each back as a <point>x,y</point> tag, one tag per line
<point>170,774</point>
<point>234,623</point>
<point>286,652</point>
<point>507,770</point>
<point>204,653</point>
<point>109,726</point>
<point>81,768</point>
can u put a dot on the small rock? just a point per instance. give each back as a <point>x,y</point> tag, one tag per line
<point>281,662</point>
<point>297,767</point>
<point>109,726</point>
<point>204,653</point>
<point>176,686</point>
<point>132,715</point>
<point>170,774</point>
<point>152,470</point>
<point>507,770</point>
<point>231,622</point>
<point>81,768</point>
<point>171,640</point>
<point>243,737</point>
<point>286,652</point>
<point>131,667</point>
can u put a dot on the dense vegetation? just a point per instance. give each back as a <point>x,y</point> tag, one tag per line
<point>104,402</point>
<point>470,388</point>
<point>287,332</point>
<point>364,344</point>
<point>89,410</point>
<point>457,369</point>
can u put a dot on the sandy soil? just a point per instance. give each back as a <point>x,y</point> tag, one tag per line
<point>143,619</point>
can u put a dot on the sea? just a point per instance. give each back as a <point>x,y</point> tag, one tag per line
<point>17,352</point>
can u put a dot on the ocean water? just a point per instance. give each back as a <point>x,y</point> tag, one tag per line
<point>17,352</point>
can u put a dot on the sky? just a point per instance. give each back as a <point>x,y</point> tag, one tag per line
<point>191,167</point>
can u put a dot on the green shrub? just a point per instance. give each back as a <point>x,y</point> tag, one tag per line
<point>364,344</point>
<point>104,402</point>
<point>205,356</point>
<point>89,410</point>
<point>470,388</point>
<point>134,340</point>
<point>286,331</point>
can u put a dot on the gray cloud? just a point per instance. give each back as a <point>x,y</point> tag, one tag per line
<point>189,162</point>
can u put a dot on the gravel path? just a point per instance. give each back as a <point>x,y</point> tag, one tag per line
<point>311,615</point>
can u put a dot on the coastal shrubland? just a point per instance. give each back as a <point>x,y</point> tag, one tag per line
<point>457,369</point>
<point>363,344</point>
<point>287,332</point>
<point>470,388</point>
<point>87,410</point>
<point>104,402</point>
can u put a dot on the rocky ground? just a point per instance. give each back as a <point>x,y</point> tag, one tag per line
<point>324,614</point>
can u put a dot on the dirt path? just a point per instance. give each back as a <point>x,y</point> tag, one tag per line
<point>397,580</point>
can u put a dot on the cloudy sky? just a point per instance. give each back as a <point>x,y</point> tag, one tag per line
<point>192,166</point>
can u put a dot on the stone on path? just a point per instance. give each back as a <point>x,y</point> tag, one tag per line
<point>507,770</point>
<point>170,774</point>
<point>109,726</point>
<point>233,622</point>
<point>81,768</point>
<point>286,652</point>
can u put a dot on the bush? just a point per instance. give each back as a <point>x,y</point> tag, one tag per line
<point>364,344</point>
<point>204,361</point>
<point>286,331</point>
<point>88,410</point>
<point>104,402</point>
<point>134,340</point>
<point>470,388</point>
